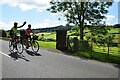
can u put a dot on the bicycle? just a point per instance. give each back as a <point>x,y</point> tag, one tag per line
<point>32,42</point>
<point>16,44</point>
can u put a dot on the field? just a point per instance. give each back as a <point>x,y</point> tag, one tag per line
<point>47,44</point>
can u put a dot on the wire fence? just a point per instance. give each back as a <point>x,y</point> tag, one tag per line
<point>107,48</point>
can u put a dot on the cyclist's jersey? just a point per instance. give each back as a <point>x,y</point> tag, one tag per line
<point>14,29</point>
<point>28,31</point>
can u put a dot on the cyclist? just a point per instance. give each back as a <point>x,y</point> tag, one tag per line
<point>14,30</point>
<point>27,35</point>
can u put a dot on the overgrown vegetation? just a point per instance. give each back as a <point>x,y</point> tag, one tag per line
<point>100,56</point>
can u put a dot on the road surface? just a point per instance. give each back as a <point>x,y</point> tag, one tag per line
<point>51,64</point>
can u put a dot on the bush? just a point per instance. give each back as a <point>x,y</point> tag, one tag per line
<point>84,46</point>
<point>51,39</point>
<point>3,33</point>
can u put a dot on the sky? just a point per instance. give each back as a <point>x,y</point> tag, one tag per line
<point>34,12</point>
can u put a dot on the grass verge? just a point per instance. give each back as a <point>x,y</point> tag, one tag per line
<point>47,44</point>
<point>100,56</point>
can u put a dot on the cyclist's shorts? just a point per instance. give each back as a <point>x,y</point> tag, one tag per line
<point>27,36</point>
<point>11,35</point>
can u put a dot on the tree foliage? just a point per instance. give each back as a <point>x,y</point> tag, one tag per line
<point>81,13</point>
<point>3,33</point>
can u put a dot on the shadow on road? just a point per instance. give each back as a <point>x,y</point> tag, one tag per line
<point>16,56</point>
<point>32,53</point>
<point>117,65</point>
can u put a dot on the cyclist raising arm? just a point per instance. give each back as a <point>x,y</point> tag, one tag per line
<point>14,29</point>
<point>27,34</point>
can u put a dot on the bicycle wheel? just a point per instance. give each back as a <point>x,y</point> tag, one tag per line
<point>24,45</point>
<point>19,48</point>
<point>35,46</point>
<point>11,46</point>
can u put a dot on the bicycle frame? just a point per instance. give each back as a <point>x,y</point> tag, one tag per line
<point>16,44</point>
<point>31,41</point>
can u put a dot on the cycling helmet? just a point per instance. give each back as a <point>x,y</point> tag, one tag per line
<point>29,25</point>
<point>15,23</point>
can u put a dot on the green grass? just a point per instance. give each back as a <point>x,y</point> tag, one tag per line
<point>5,38</point>
<point>112,50</point>
<point>51,36</point>
<point>113,31</point>
<point>45,34</point>
<point>47,44</point>
<point>70,32</point>
<point>100,56</point>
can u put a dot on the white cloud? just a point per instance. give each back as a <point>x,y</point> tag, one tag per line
<point>47,20</point>
<point>109,23</point>
<point>58,13</point>
<point>53,14</point>
<point>116,0</point>
<point>28,4</point>
<point>109,17</point>
<point>116,20</point>
<point>63,14</point>
<point>88,23</point>
<point>5,26</point>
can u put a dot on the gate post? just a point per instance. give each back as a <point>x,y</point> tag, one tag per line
<point>76,44</point>
<point>61,39</point>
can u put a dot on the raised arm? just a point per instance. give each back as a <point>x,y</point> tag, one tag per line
<point>22,25</point>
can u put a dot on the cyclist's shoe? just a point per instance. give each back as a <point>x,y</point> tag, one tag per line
<point>27,47</point>
<point>16,48</point>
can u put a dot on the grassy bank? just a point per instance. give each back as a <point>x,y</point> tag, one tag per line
<point>47,44</point>
<point>100,56</point>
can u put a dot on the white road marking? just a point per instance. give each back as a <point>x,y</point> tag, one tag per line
<point>7,55</point>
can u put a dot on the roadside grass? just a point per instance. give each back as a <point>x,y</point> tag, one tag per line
<point>112,50</point>
<point>5,38</point>
<point>113,31</point>
<point>100,56</point>
<point>51,36</point>
<point>45,34</point>
<point>47,44</point>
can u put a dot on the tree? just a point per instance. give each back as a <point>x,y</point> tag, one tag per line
<point>3,33</point>
<point>81,13</point>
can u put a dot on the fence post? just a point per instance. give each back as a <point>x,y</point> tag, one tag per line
<point>91,48</point>
<point>68,43</point>
<point>76,45</point>
<point>108,48</point>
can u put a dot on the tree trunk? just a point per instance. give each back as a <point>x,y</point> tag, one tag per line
<point>81,32</point>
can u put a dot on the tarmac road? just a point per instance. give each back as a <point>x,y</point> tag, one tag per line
<point>47,64</point>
